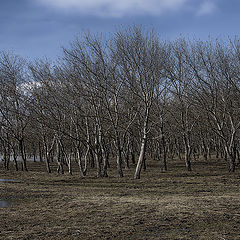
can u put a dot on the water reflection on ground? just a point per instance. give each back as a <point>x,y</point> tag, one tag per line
<point>7,180</point>
<point>3,203</point>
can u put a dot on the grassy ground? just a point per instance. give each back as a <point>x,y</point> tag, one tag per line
<point>203,204</point>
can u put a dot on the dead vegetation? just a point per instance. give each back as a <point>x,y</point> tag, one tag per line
<point>203,204</point>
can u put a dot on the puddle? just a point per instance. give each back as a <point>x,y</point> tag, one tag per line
<point>7,180</point>
<point>4,203</point>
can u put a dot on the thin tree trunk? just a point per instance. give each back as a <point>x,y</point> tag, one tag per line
<point>23,156</point>
<point>232,158</point>
<point>119,155</point>
<point>48,151</point>
<point>187,154</point>
<point>103,152</point>
<point>91,156</point>
<point>97,154</point>
<point>6,158</point>
<point>15,158</point>
<point>141,159</point>
<point>59,160</point>
<point>143,147</point>
<point>164,152</point>
<point>40,152</point>
<point>83,170</point>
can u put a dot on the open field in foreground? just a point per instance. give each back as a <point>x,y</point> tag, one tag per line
<point>203,204</point>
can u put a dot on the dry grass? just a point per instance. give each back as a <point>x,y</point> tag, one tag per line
<point>203,204</point>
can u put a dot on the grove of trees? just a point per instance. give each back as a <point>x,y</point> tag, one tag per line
<point>118,100</point>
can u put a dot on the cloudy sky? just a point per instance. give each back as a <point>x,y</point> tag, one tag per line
<point>38,28</point>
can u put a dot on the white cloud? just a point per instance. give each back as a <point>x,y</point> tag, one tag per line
<point>206,8</point>
<point>116,8</point>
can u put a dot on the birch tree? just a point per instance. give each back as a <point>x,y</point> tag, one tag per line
<point>141,56</point>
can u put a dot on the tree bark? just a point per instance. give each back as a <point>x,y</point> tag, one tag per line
<point>23,156</point>
<point>143,147</point>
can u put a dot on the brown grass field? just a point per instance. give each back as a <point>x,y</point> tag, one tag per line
<point>202,204</point>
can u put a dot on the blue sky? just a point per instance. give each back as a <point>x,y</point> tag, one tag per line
<point>38,28</point>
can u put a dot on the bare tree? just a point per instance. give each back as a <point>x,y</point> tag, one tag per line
<point>14,115</point>
<point>141,56</point>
